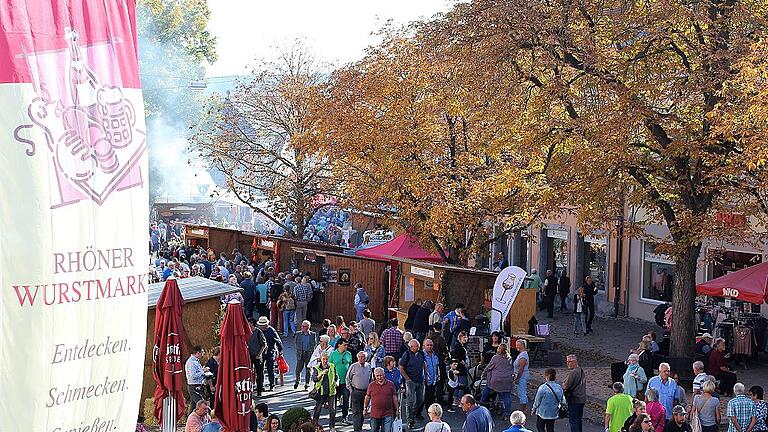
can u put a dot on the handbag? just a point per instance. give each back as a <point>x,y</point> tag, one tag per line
<point>397,425</point>
<point>314,394</point>
<point>693,418</point>
<point>282,365</point>
<point>562,409</point>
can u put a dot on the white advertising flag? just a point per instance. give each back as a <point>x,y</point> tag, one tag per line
<point>74,212</point>
<point>505,290</point>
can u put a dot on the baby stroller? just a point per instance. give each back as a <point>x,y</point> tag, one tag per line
<point>476,384</point>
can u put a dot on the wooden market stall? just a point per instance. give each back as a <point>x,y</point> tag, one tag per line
<point>219,239</point>
<point>339,273</point>
<point>451,284</point>
<point>280,249</point>
<point>200,312</point>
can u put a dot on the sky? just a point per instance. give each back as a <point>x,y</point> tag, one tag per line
<point>336,31</point>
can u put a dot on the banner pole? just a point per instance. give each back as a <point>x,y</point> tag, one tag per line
<point>169,414</point>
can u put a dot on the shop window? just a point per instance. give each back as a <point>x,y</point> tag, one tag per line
<point>597,262</point>
<point>560,250</point>
<point>658,275</point>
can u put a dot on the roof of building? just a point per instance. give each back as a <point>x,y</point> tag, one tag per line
<point>192,289</point>
<point>449,267</point>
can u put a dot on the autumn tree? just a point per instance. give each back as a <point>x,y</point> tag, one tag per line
<point>414,132</point>
<point>658,105</point>
<point>260,137</point>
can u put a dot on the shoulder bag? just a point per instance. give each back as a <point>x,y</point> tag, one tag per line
<point>562,409</point>
<point>693,418</point>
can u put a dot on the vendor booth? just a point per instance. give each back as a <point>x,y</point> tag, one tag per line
<point>729,307</point>
<point>219,239</point>
<point>338,274</point>
<point>450,285</point>
<point>200,312</point>
<point>280,250</point>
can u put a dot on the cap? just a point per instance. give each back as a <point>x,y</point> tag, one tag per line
<point>679,410</point>
<point>706,336</point>
<point>263,321</point>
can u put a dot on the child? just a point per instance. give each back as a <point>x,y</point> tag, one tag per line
<point>457,388</point>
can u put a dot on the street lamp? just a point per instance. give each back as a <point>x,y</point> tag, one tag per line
<point>619,258</point>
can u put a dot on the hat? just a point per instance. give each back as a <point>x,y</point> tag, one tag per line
<point>706,336</point>
<point>263,321</point>
<point>679,410</point>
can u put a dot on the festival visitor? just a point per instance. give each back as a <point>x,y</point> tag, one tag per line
<point>287,304</point>
<point>590,291</point>
<point>550,292</point>
<point>437,315</point>
<point>367,324</point>
<point>717,366</point>
<point>392,339</point>
<point>272,424</point>
<point>392,372</point>
<point>257,346</point>
<point>357,340</point>
<point>489,349</point>
<point>249,294</point>
<point>199,417</point>
<point>375,351</point>
<point>704,345</point>
<point>361,301</point>
<point>195,376</point>
<point>324,329</point>
<point>638,408</point>
<point>332,336</point>
<point>213,367</point>
<point>517,419</point>
<point>500,378</point>
<point>634,376</point>
<point>413,369</point>
<point>274,349</point>
<point>699,375</point>
<point>305,342</point>
<point>546,404</point>
<point>436,423</point>
<point>341,359</point>
<point>421,320</point>
<point>667,388</point>
<point>707,407</point>
<point>303,293</point>
<point>463,325</point>
<point>740,411</point>
<point>324,377</point>
<point>521,372</point>
<point>259,415</point>
<point>575,389</point>
<point>579,325</point>
<point>655,409</point>
<point>461,373</point>
<point>643,423</point>
<point>760,414</point>
<point>275,310</point>
<point>564,288</point>
<point>357,381</point>
<point>441,349</point>
<point>381,402</point>
<point>412,309</point>
<point>478,417</point>
<point>433,374</point>
<point>678,422</point>
<point>618,409</point>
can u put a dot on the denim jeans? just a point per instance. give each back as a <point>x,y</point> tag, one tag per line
<point>342,394</point>
<point>579,326</point>
<point>522,390</point>
<point>414,393</point>
<point>383,424</point>
<point>575,415</point>
<point>290,326</point>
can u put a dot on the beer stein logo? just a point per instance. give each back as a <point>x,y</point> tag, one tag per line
<point>86,119</point>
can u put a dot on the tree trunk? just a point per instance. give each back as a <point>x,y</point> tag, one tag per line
<point>683,342</point>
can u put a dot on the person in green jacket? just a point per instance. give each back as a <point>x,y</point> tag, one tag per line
<point>341,359</point>
<point>325,379</point>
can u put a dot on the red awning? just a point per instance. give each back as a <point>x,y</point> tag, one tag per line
<point>749,284</point>
<point>402,246</point>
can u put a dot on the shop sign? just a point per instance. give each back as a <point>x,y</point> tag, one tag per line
<point>345,277</point>
<point>197,232</point>
<point>658,258</point>
<point>377,237</point>
<point>422,272</point>
<point>730,292</point>
<point>267,243</point>
<point>557,234</point>
<point>595,239</point>
<point>733,219</point>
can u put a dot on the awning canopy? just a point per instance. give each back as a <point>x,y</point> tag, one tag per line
<point>402,246</point>
<point>749,284</point>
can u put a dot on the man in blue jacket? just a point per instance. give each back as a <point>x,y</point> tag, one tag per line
<point>478,417</point>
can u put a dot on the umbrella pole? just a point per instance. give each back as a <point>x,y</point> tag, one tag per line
<point>169,414</point>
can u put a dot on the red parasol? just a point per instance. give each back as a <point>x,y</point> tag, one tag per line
<point>749,285</point>
<point>167,361</point>
<point>234,381</point>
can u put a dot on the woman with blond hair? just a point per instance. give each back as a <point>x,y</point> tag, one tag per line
<point>374,351</point>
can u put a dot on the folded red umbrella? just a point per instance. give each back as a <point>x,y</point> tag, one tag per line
<point>167,361</point>
<point>749,284</point>
<point>234,382</point>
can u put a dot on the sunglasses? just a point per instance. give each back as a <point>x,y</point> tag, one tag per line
<point>647,421</point>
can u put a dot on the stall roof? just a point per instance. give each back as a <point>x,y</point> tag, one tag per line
<point>308,243</point>
<point>402,246</point>
<point>192,289</point>
<point>444,266</point>
<point>341,254</point>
